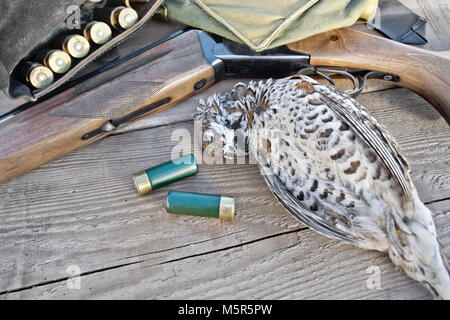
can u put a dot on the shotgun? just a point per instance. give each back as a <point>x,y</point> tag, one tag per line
<point>158,76</point>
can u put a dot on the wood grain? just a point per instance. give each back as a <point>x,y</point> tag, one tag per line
<point>295,264</point>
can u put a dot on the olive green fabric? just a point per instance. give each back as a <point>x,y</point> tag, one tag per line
<point>266,24</point>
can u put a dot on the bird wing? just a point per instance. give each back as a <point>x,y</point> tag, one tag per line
<point>297,208</point>
<point>375,135</point>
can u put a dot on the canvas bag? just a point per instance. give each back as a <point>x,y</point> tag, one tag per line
<point>267,24</point>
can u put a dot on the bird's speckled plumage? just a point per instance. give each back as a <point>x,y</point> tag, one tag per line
<point>332,166</point>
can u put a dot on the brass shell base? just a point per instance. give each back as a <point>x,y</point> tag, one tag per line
<point>142,183</point>
<point>226,208</point>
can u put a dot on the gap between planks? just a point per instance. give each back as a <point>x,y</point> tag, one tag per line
<point>83,274</point>
<point>398,285</point>
<point>434,207</point>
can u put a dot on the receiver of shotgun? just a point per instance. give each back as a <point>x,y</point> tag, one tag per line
<point>158,76</point>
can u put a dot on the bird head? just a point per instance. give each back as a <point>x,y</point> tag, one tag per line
<point>223,125</point>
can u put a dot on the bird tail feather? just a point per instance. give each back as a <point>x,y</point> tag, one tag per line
<point>415,247</point>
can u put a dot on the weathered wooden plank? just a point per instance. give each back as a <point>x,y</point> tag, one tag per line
<point>82,209</point>
<point>293,265</point>
<point>56,215</point>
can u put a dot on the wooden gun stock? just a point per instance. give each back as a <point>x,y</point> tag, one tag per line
<point>425,72</point>
<point>151,82</point>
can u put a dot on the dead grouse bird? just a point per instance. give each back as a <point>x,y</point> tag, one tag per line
<point>333,166</point>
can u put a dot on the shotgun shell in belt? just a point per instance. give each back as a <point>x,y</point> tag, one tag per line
<point>123,18</point>
<point>75,45</point>
<point>57,60</point>
<point>38,75</point>
<point>97,32</point>
<point>200,204</point>
<point>165,173</point>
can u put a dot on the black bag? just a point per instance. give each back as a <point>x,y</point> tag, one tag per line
<point>27,25</point>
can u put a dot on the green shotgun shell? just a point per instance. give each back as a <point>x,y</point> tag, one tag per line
<point>164,174</point>
<point>200,204</point>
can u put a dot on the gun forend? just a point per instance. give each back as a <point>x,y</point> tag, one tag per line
<point>425,72</point>
<point>150,82</point>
